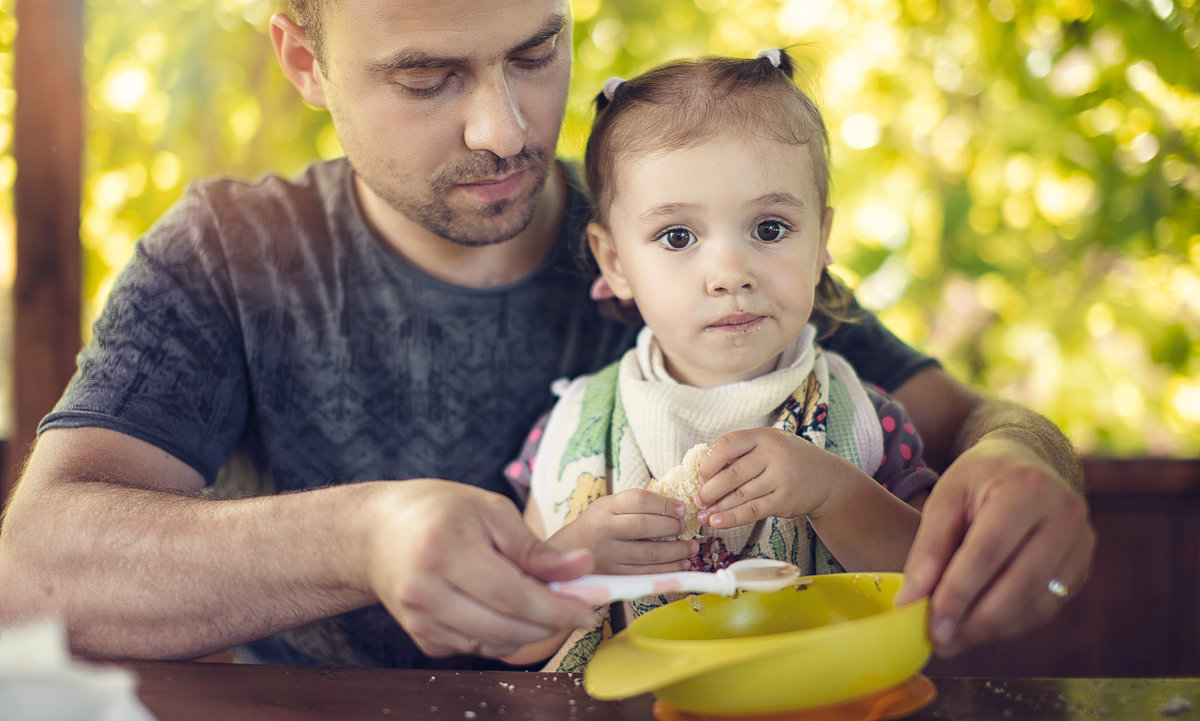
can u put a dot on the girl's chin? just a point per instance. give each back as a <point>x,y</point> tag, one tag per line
<point>715,377</point>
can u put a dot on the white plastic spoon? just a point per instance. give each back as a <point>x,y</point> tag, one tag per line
<point>752,574</point>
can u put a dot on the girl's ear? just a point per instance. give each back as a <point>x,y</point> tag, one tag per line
<point>823,250</point>
<point>605,253</point>
<point>296,57</point>
<point>826,226</point>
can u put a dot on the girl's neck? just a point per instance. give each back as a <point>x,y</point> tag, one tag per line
<point>656,366</point>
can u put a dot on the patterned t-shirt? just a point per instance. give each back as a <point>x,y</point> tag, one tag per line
<point>265,326</point>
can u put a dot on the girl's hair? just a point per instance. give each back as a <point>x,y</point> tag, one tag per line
<point>685,103</point>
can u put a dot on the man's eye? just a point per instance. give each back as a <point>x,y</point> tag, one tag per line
<point>676,238</point>
<point>426,87</point>
<point>540,56</point>
<point>770,231</point>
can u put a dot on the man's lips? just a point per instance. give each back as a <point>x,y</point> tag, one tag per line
<point>493,189</point>
<point>739,322</point>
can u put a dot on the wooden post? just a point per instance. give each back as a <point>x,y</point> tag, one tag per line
<point>48,148</point>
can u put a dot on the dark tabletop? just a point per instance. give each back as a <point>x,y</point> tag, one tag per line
<point>230,692</point>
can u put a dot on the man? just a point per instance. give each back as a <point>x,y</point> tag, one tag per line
<point>400,315</point>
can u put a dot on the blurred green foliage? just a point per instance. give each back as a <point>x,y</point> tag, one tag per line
<point>1017,183</point>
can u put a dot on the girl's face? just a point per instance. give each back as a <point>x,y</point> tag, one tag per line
<point>721,246</point>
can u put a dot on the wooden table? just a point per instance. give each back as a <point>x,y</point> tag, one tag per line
<point>232,692</point>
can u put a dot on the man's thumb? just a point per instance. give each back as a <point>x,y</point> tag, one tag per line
<point>513,539</point>
<point>551,564</point>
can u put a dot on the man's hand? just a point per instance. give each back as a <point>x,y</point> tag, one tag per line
<point>623,532</point>
<point>999,525</point>
<point>459,570</point>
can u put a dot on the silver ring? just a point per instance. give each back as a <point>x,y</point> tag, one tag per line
<point>1058,588</point>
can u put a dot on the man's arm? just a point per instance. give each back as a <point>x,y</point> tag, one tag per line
<point>951,417</point>
<point>108,532</point>
<point>1006,517</point>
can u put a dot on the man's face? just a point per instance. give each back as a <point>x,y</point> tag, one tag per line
<point>450,111</point>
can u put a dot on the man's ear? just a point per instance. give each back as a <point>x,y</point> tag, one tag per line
<point>605,253</point>
<point>296,57</point>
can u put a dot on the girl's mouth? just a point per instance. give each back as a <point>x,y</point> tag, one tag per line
<point>737,323</point>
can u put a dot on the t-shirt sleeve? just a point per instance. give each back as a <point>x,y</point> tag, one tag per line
<point>903,471</point>
<point>165,363</point>
<point>876,354</point>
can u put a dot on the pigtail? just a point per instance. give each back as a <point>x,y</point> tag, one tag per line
<point>606,95</point>
<point>779,59</point>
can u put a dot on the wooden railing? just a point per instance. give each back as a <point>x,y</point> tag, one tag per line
<point>48,147</point>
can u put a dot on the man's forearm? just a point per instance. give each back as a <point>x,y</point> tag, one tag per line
<point>1023,425</point>
<point>142,573</point>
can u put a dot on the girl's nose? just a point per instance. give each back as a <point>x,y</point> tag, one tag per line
<point>730,270</point>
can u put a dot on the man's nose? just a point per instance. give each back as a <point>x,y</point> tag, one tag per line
<point>494,121</point>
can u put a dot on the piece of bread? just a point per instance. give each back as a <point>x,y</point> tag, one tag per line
<point>682,483</point>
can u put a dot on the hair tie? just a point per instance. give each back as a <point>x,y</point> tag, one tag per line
<point>601,290</point>
<point>772,55</point>
<point>610,87</point>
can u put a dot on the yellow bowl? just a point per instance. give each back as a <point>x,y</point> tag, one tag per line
<point>837,639</point>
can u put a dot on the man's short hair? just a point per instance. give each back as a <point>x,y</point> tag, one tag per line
<point>309,14</point>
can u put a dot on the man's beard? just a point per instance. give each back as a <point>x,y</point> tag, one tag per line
<point>486,224</point>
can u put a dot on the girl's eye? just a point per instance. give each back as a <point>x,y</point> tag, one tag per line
<point>770,231</point>
<point>676,238</point>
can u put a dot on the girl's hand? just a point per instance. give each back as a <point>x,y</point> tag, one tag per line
<point>621,532</point>
<point>761,472</point>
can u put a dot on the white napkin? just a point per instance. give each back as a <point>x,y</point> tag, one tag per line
<point>39,681</point>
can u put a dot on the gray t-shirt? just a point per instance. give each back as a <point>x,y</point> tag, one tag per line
<point>267,324</point>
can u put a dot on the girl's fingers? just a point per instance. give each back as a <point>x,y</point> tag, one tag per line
<point>641,501</point>
<point>649,556</point>
<point>640,526</point>
<point>725,450</point>
<point>747,507</point>
<point>730,481</point>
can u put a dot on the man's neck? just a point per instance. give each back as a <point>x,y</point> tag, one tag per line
<point>485,266</point>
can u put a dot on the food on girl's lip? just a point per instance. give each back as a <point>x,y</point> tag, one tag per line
<point>682,483</point>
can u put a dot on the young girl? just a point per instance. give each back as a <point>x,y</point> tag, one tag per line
<point>710,180</point>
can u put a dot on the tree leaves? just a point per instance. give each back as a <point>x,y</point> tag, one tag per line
<point>1052,150</point>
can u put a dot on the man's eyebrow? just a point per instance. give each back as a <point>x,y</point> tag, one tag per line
<point>421,60</point>
<point>414,60</point>
<point>553,26</point>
